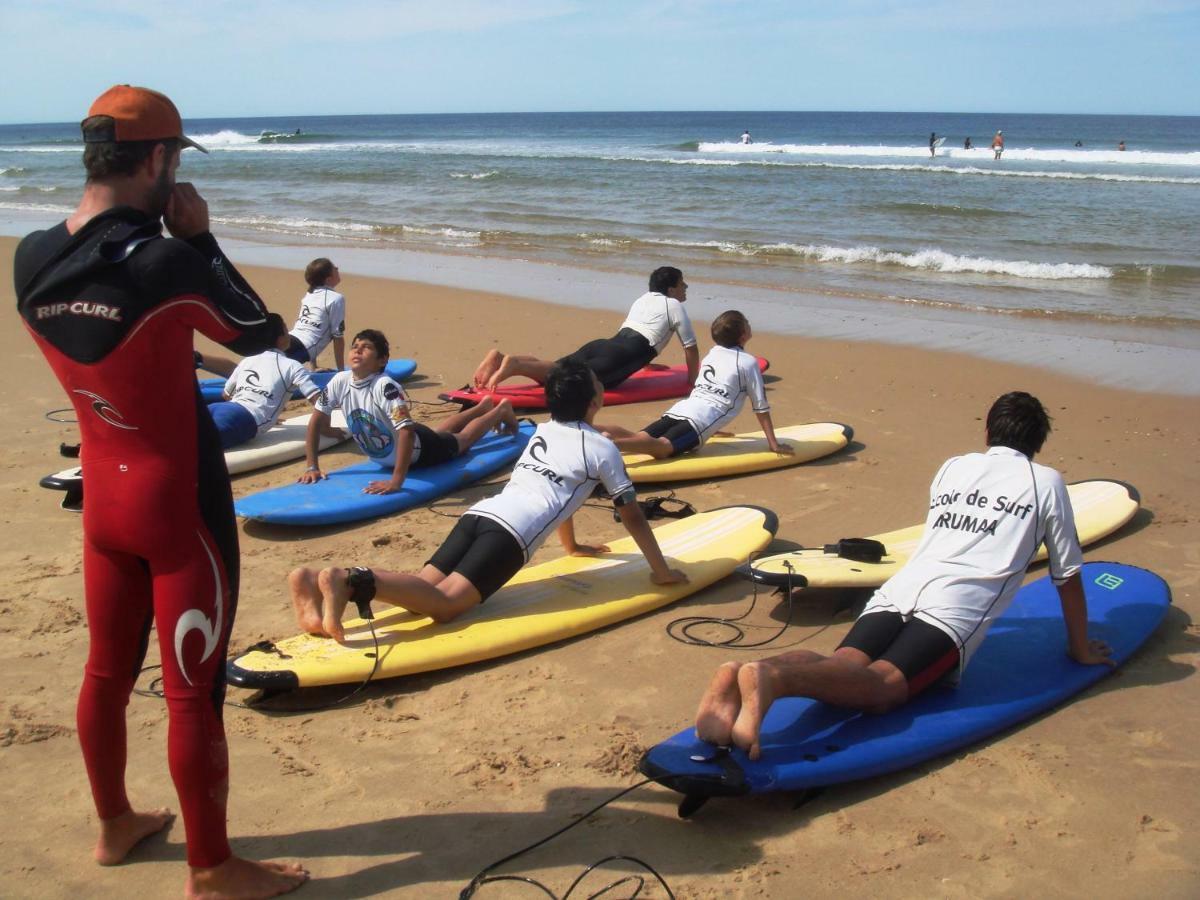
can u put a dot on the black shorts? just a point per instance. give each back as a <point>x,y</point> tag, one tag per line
<point>297,351</point>
<point>481,551</point>
<point>437,447</point>
<point>679,432</point>
<point>920,651</point>
<point>616,358</point>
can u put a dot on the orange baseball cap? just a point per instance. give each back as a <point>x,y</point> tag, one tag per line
<point>138,114</point>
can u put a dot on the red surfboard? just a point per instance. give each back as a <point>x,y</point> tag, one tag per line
<point>655,382</point>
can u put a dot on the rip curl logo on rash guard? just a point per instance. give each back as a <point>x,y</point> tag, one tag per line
<point>710,374</point>
<point>374,437</point>
<point>537,448</point>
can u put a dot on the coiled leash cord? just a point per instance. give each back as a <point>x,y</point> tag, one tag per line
<point>640,880</point>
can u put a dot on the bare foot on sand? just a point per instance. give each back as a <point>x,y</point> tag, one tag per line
<point>755,684</point>
<point>487,368</point>
<point>244,880</point>
<point>719,707</point>
<point>508,419</point>
<point>122,833</point>
<point>335,594</point>
<point>306,600</point>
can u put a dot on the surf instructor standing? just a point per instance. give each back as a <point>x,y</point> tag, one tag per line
<point>113,304</point>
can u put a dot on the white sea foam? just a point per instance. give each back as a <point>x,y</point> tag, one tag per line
<point>929,260</point>
<point>1122,157</point>
<point>39,207</point>
<point>11,170</point>
<point>476,176</point>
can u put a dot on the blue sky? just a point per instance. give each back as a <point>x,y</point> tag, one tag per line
<point>292,57</point>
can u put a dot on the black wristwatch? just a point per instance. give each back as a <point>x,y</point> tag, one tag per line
<point>361,582</point>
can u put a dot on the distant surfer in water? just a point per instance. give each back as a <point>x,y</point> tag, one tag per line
<point>988,513</point>
<point>563,463</point>
<point>932,143</point>
<point>653,319</point>
<point>728,376</point>
<point>746,137</point>
<point>998,144</point>
<point>967,144</point>
<point>1121,146</point>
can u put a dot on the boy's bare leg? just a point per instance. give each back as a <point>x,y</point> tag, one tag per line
<point>306,600</point>
<point>122,833</point>
<point>242,879</point>
<point>443,602</point>
<point>486,369</point>
<point>500,418</point>
<point>659,448</point>
<point>848,679</point>
<point>528,366</point>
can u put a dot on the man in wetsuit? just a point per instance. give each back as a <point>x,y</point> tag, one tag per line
<point>112,303</point>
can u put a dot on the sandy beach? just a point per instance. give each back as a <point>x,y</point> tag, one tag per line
<point>429,779</point>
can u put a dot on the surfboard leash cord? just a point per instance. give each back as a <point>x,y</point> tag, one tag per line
<point>483,877</point>
<point>680,629</point>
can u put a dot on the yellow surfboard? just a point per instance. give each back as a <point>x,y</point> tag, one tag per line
<point>1101,507</point>
<point>542,604</point>
<point>741,453</point>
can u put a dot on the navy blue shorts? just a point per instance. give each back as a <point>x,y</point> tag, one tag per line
<point>922,652</point>
<point>616,358</point>
<point>437,447</point>
<point>482,551</point>
<point>679,432</point>
<point>297,351</point>
<point>234,423</point>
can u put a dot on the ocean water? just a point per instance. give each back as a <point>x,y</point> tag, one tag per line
<point>843,204</point>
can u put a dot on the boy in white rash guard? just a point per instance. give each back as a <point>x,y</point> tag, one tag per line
<point>565,460</point>
<point>728,375</point>
<point>653,319</point>
<point>376,410</point>
<point>322,319</point>
<point>257,390</point>
<point>988,513</point>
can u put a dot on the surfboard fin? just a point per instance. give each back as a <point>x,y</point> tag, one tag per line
<point>691,804</point>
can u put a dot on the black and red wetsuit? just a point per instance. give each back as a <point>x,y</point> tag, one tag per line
<point>113,308</point>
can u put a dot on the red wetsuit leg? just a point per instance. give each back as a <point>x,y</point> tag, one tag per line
<point>193,610</point>
<point>119,614</point>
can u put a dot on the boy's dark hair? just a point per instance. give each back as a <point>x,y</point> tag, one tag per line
<point>728,328</point>
<point>1018,420</point>
<point>317,272</point>
<point>276,327</point>
<point>664,278</point>
<point>377,339</point>
<point>108,159</point>
<point>570,390</point>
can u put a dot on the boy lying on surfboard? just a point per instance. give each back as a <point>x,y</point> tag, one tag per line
<point>728,375</point>
<point>988,514</point>
<point>563,462</point>
<point>376,410</point>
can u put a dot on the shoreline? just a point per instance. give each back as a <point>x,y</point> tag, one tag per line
<point>430,778</point>
<point>1136,357</point>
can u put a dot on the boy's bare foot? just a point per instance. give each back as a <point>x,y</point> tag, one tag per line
<point>244,879</point>
<point>487,368</point>
<point>335,594</point>
<point>507,369</point>
<point>122,833</point>
<point>755,685</point>
<point>306,600</point>
<point>508,419</point>
<point>719,707</point>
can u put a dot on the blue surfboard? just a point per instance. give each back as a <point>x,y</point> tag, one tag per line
<point>1020,670</point>
<point>340,497</point>
<point>399,369</point>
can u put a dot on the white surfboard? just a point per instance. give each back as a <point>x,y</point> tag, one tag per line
<point>281,443</point>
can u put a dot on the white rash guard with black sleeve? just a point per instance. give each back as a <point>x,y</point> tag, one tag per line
<point>322,318</point>
<point>263,383</point>
<point>376,410</point>
<point>988,513</point>
<point>656,317</point>
<point>728,375</point>
<point>557,472</point>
